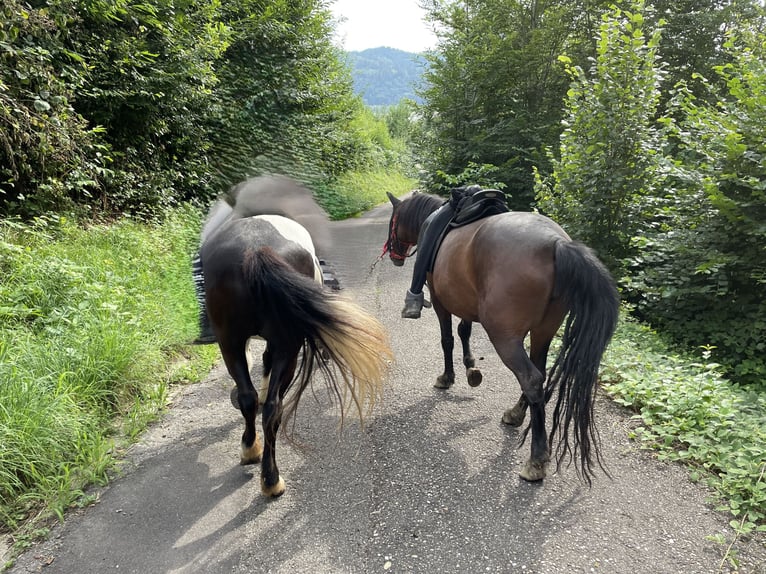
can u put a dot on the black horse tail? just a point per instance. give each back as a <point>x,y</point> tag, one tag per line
<point>587,289</point>
<point>301,312</point>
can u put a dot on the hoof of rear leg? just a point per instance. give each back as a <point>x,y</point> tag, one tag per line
<point>474,377</point>
<point>514,417</point>
<point>444,382</point>
<point>533,471</point>
<point>251,455</point>
<point>275,490</point>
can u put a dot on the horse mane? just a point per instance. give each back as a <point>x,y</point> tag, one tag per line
<point>415,210</point>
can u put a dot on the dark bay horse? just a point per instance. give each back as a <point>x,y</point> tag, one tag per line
<point>520,274</point>
<point>262,279</point>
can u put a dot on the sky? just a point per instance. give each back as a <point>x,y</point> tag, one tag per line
<point>375,23</point>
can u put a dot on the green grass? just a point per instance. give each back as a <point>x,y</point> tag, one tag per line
<point>92,325</point>
<point>688,412</point>
<point>356,192</point>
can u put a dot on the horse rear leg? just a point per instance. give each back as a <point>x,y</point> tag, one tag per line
<point>530,378</point>
<point>539,346</point>
<point>283,367</point>
<point>264,387</point>
<point>464,332</point>
<point>235,358</point>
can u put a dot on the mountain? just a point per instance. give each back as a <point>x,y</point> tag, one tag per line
<point>383,76</point>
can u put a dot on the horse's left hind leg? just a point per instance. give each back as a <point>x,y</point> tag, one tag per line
<point>282,371</point>
<point>464,332</point>
<point>246,399</point>
<point>538,354</point>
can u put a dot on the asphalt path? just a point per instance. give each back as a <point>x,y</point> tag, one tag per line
<point>429,484</point>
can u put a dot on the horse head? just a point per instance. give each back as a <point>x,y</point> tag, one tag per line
<point>401,237</point>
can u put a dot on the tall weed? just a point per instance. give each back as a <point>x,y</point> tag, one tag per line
<point>90,320</point>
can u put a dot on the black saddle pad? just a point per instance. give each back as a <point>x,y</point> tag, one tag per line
<point>478,205</point>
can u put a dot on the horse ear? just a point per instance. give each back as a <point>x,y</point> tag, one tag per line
<point>394,200</point>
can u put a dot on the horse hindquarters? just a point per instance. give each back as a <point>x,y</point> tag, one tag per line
<point>296,312</point>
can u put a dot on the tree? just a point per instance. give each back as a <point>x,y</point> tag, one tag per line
<point>48,152</point>
<point>285,96</point>
<point>494,88</point>
<point>705,251</point>
<point>611,161</point>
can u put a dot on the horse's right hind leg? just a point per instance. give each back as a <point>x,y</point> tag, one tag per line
<point>282,372</point>
<point>514,357</point>
<point>464,332</point>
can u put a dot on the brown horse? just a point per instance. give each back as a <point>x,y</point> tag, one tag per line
<point>263,279</point>
<point>520,274</point>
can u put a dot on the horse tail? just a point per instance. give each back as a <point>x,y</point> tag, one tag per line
<point>330,329</point>
<point>588,290</point>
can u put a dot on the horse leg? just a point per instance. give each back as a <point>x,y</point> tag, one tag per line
<point>539,356</point>
<point>514,357</point>
<point>246,399</point>
<point>464,332</point>
<point>266,362</point>
<point>282,371</point>
<point>447,378</point>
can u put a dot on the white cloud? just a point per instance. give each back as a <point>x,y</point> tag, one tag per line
<point>375,23</point>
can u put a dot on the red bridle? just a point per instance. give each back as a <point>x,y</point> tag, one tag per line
<point>396,248</point>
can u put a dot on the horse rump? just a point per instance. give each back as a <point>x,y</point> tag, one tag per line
<point>299,310</point>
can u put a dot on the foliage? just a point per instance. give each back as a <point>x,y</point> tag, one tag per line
<point>494,89</point>
<point>688,412</point>
<point>611,147</point>
<point>89,321</point>
<point>706,250</point>
<point>386,76</point>
<point>48,154</point>
<point>120,107</point>
<point>285,97</point>
<point>694,32</point>
<point>148,85</point>
<point>474,174</point>
<point>354,192</point>
<point>401,121</point>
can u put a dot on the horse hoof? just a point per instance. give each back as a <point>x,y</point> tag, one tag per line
<point>274,491</point>
<point>474,377</point>
<point>444,382</point>
<point>251,455</point>
<point>533,471</point>
<point>234,396</point>
<point>514,417</point>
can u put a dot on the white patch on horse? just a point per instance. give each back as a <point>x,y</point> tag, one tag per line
<point>296,233</point>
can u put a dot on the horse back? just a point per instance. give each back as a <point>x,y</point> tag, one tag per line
<point>502,262</point>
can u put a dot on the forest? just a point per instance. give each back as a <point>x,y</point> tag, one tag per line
<point>639,126</point>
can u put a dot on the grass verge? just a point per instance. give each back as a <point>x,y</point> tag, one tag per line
<point>93,324</point>
<point>688,412</point>
<point>356,192</point>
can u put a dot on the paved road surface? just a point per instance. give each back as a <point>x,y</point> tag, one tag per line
<point>429,485</point>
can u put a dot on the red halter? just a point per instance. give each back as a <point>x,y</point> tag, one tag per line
<point>397,249</point>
